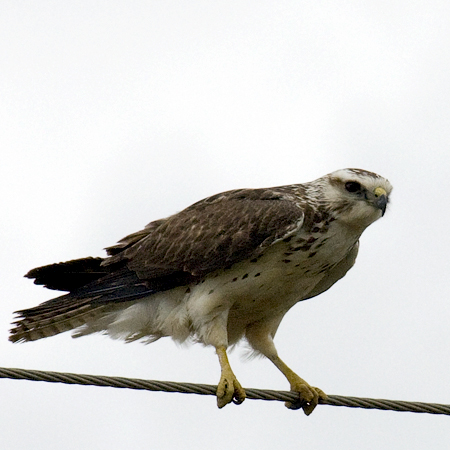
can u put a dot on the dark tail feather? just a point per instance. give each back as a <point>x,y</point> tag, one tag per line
<point>70,275</point>
<point>85,303</point>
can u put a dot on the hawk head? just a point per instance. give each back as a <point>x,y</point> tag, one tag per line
<point>357,197</point>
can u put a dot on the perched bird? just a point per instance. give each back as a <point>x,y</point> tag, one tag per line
<point>227,268</point>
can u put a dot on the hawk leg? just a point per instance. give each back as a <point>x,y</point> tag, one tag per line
<point>308,396</point>
<point>229,389</point>
<point>260,336</point>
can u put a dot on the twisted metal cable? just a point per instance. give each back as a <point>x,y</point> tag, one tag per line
<point>207,389</point>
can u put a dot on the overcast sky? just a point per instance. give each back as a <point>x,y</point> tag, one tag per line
<point>117,113</point>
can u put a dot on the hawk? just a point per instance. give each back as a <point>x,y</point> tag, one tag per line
<point>227,268</point>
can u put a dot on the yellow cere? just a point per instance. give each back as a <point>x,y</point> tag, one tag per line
<point>379,192</point>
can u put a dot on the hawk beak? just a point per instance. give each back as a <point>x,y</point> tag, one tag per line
<point>381,199</point>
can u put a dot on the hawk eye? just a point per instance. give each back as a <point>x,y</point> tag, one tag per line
<point>352,186</point>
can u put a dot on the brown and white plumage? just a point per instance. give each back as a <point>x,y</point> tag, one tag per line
<point>227,267</point>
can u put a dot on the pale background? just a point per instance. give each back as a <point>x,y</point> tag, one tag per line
<point>116,113</point>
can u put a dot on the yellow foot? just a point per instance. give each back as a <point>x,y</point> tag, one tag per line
<point>229,390</point>
<point>308,396</point>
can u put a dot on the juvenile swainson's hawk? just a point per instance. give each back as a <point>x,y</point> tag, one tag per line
<point>226,268</point>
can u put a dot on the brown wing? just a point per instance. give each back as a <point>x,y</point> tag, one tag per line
<point>211,234</point>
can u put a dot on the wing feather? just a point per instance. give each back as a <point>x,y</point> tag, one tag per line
<point>211,234</point>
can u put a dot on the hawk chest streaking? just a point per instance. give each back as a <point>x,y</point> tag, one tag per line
<point>226,268</point>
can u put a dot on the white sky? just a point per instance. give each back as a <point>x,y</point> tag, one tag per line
<point>116,113</point>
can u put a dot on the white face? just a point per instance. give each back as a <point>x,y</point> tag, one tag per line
<point>359,196</point>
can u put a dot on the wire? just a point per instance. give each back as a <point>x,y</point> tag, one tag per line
<point>206,389</point>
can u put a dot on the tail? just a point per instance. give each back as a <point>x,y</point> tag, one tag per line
<point>93,292</point>
<point>53,317</point>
